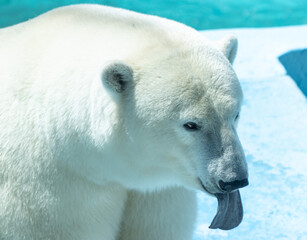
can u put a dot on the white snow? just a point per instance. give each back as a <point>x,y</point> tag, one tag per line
<point>273,131</point>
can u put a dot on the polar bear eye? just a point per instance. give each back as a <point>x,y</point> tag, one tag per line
<point>237,116</point>
<point>191,126</point>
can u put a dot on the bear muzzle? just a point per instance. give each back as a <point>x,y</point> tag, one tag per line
<point>230,186</point>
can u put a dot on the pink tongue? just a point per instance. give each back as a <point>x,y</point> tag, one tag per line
<point>229,212</point>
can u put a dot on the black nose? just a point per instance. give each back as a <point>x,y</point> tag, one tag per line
<point>230,186</point>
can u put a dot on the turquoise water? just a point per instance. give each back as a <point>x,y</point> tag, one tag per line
<point>200,14</point>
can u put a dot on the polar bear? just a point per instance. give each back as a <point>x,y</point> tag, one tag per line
<point>109,122</point>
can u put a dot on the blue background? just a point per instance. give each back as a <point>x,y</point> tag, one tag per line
<point>200,14</point>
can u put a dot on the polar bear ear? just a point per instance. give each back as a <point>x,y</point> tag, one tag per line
<point>229,46</point>
<point>116,76</point>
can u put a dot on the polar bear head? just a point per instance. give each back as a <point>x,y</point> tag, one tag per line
<point>180,110</point>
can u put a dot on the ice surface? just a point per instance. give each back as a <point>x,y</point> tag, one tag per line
<point>273,131</point>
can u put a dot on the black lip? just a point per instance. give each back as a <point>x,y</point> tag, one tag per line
<point>228,187</point>
<point>203,186</point>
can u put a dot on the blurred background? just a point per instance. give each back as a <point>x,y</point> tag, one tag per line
<point>200,14</point>
<point>272,67</point>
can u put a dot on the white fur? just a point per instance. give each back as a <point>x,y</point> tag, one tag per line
<point>166,214</point>
<point>75,161</point>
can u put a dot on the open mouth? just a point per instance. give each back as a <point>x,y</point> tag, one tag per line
<point>203,186</point>
<point>230,210</point>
